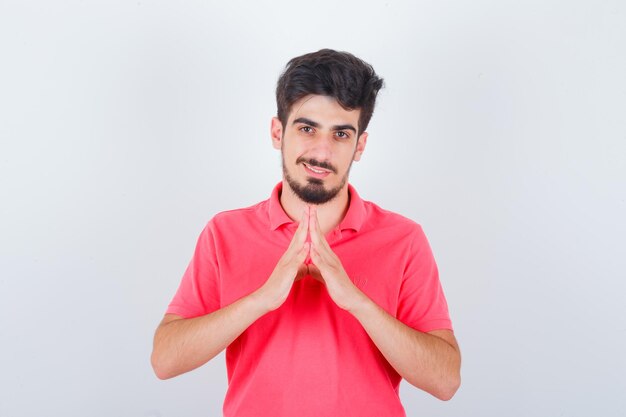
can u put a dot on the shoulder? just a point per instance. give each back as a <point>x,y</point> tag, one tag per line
<point>399,231</point>
<point>239,219</point>
<point>235,215</point>
<point>378,218</point>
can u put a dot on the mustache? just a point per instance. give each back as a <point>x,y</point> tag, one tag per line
<point>317,164</point>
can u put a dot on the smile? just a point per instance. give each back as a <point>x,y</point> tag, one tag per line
<point>316,172</point>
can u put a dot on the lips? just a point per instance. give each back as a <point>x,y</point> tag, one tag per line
<point>315,171</point>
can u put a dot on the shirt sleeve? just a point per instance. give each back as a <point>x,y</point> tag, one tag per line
<point>199,290</point>
<point>422,304</point>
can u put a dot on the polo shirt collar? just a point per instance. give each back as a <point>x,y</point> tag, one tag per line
<point>278,217</point>
<point>354,218</point>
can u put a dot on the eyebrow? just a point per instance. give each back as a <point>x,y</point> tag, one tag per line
<point>310,122</point>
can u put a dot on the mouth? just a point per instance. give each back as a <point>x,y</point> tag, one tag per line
<point>316,172</point>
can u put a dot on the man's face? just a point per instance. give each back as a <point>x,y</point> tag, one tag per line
<point>318,144</point>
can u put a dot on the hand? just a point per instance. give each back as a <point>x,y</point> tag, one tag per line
<point>327,268</point>
<point>289,268</point>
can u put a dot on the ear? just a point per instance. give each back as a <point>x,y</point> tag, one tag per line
<point>360,146</point>
<point>276,132</point>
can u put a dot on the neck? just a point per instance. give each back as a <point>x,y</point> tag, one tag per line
<point>329,214</point>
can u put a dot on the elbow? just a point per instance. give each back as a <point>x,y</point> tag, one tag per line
<point>161,373</point>
<point>160,367</point>
<point>447,389</point>
<point>443,389</point>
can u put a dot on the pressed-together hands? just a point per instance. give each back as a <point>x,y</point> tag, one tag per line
<point>325,266</point>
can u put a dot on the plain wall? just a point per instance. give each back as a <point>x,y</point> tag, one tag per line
<point>126,125</point>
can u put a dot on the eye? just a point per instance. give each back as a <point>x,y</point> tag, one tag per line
<point>342,135</point>
<point>306,129</point>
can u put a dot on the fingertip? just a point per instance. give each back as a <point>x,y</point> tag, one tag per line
<point>304,221</point>
<point>315,219</point>
<point>313,216</point>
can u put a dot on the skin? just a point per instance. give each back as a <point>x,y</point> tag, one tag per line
<point>429,361</point>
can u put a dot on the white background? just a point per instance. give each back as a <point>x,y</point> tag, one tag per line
<point>126,125</point>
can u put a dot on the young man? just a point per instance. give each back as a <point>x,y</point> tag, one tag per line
<point>323,301</point>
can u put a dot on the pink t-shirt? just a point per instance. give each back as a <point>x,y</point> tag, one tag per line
<point>309,357</point>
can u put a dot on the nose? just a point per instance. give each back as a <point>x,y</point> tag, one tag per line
<point>322,148</point>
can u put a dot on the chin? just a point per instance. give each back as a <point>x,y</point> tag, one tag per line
<point>313,191</point>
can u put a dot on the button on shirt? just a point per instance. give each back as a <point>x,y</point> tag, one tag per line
<point>309,357</point>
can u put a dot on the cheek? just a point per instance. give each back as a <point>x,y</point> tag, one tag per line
<point>347,159</point>
<point>295,151</point>
<point>290,154</point>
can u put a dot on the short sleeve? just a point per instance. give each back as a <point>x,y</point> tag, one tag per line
<point>422,304</point>
<point>199,290</point>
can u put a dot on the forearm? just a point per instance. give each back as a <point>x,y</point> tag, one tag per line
<point>185,344</point>
<point>424,360</point>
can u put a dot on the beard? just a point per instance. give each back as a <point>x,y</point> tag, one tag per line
<point>314,191</point>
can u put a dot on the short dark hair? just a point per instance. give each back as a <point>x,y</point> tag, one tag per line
<point>341,75</point>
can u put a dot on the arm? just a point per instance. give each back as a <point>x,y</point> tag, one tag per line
<point>429,361</point>
<point>181,345</point>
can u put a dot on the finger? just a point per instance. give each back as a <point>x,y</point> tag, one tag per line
<point>323,259</point>
<point>299,236</point>
<point>293,262</point>
<point>303,227</point>
<point>325,243</point>
<point>303,253</point>
<point>314,228</point>
<point>317,236</point>
<point>316,258</point>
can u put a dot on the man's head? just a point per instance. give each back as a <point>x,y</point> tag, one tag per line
<point>325,101</point>
<point>340,75</point>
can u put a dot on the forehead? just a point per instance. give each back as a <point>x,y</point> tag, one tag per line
<point>324,110</point>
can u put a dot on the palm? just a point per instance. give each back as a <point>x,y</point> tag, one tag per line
<point>302,272</point>
<point>315,272</point>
